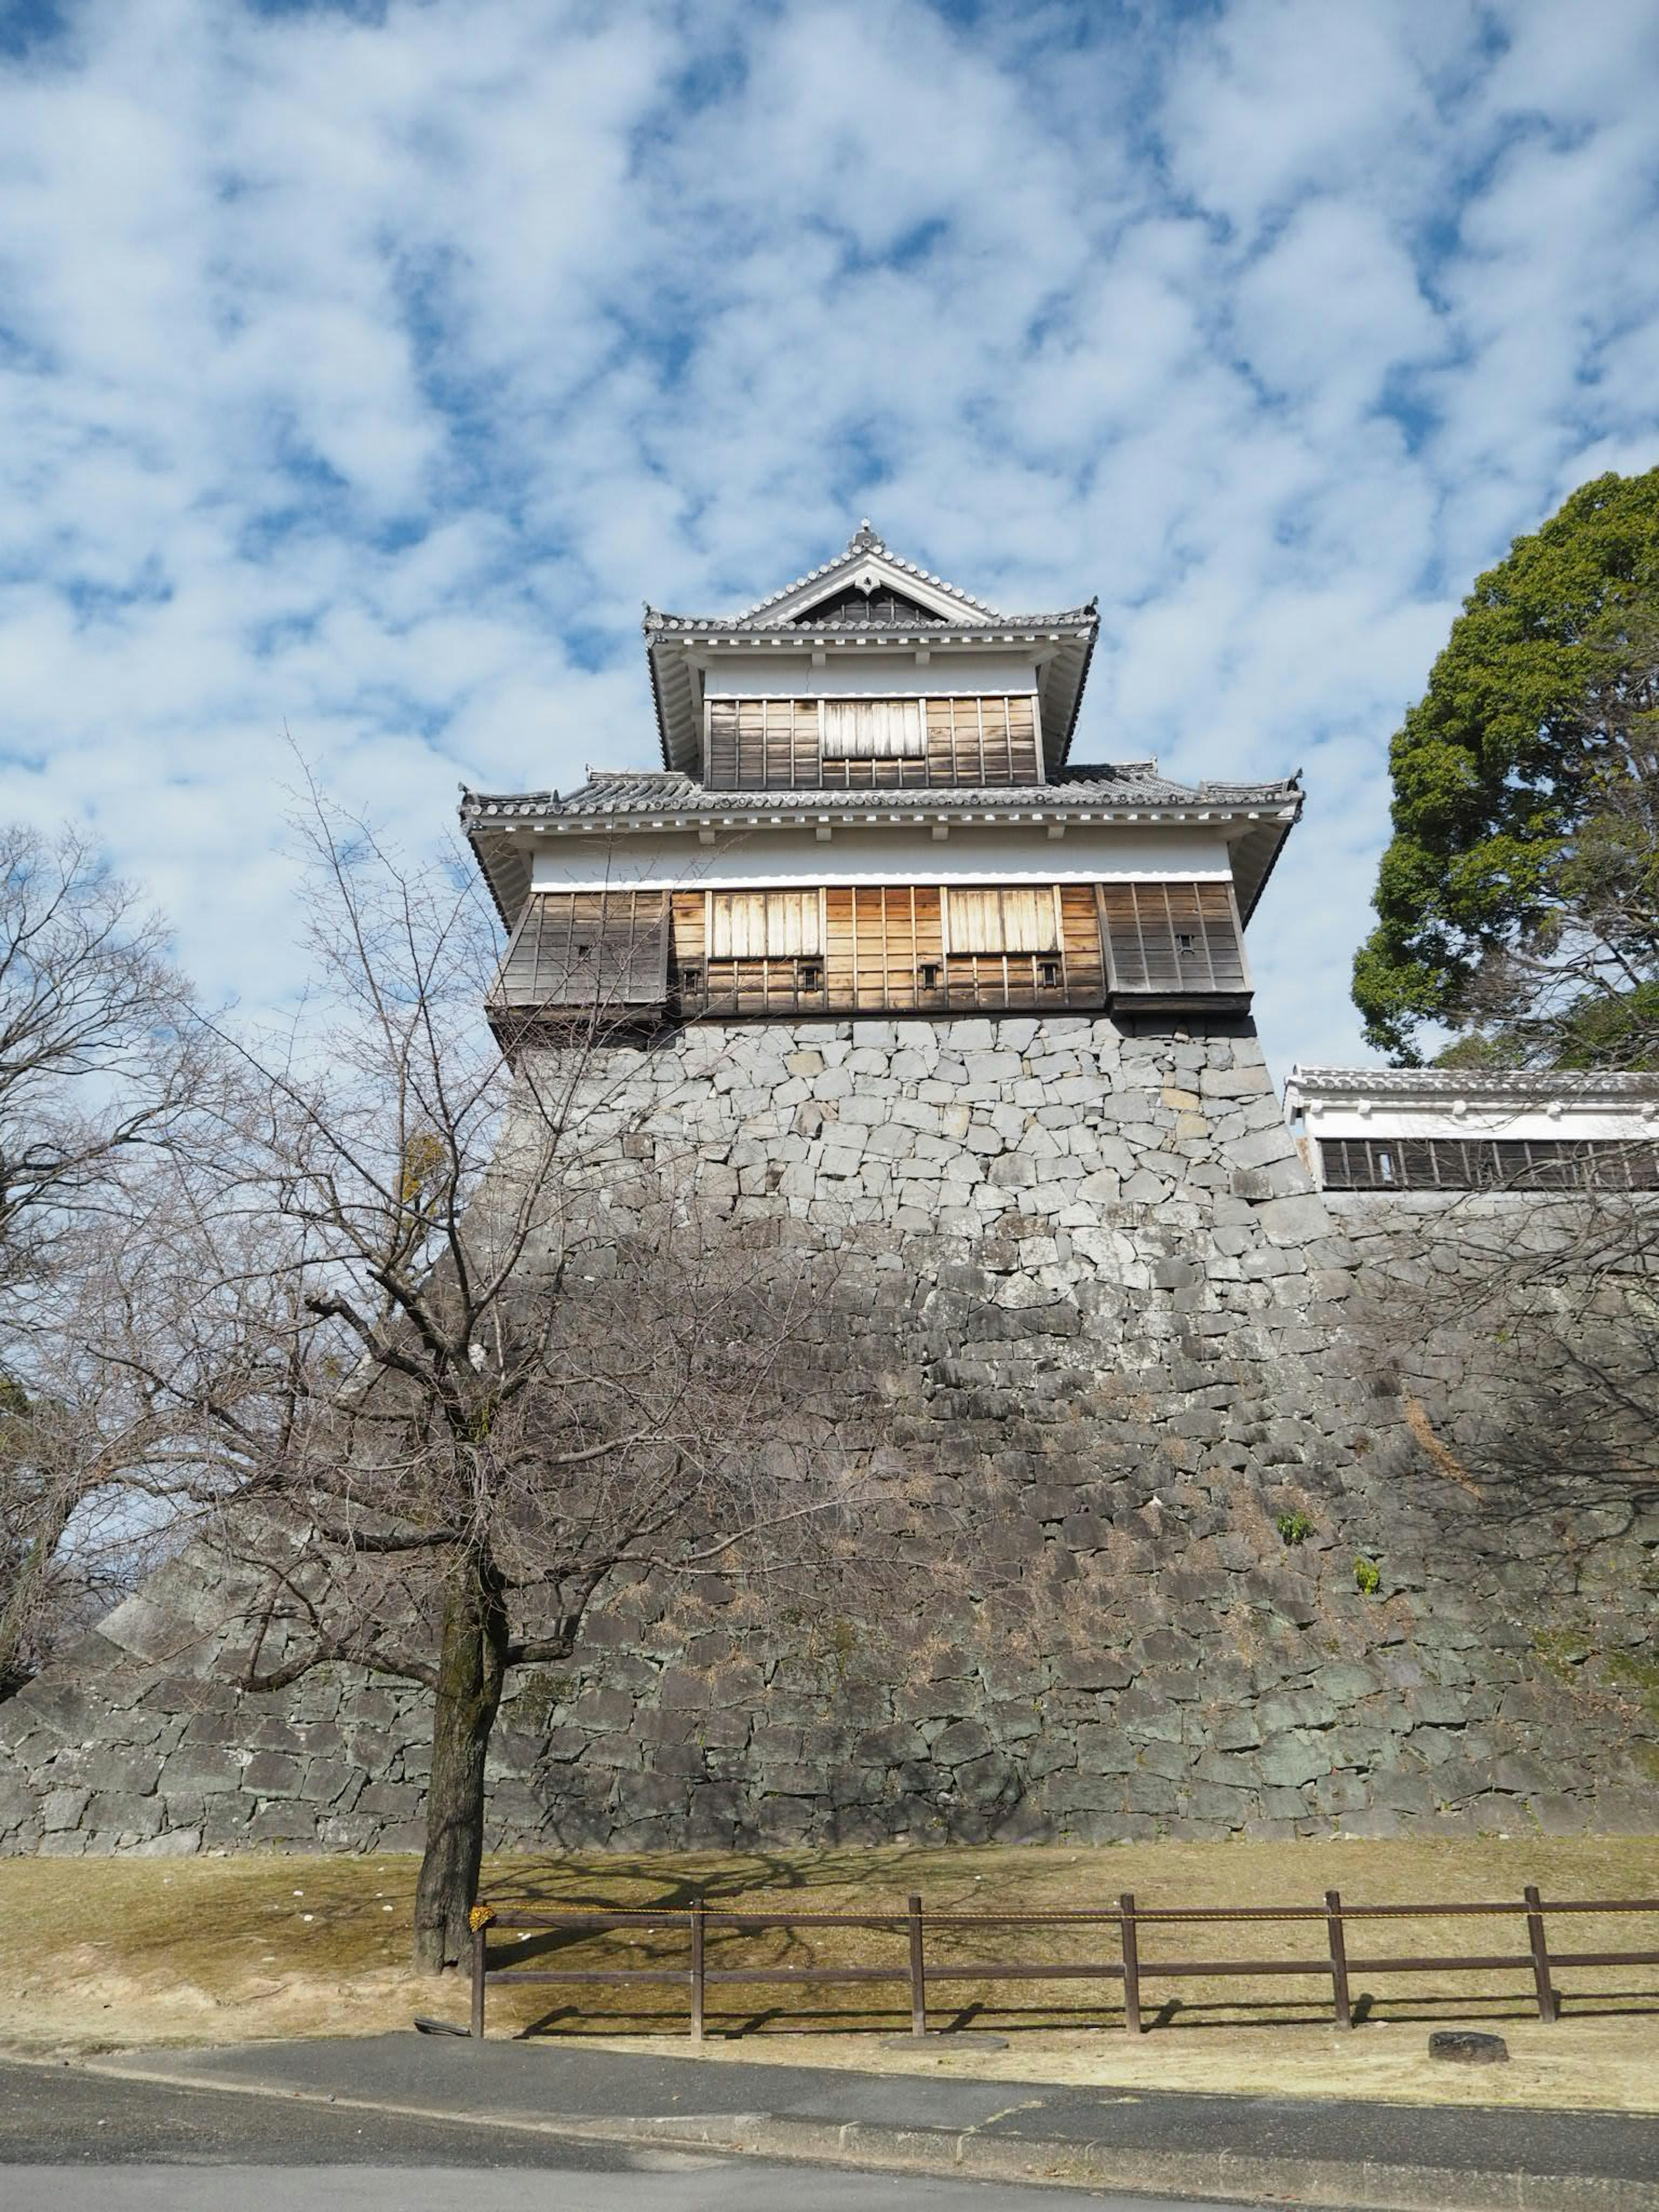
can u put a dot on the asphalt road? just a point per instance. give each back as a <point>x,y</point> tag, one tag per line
<point>527,2079</point>
<point>73,2141</point>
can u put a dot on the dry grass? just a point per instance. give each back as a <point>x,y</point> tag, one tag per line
<point>96,1955</point>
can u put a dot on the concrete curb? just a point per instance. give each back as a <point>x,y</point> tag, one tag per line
<point>971,2156</point>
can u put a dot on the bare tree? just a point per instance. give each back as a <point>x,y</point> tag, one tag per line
<point>102,1063</point>
<point>1522,1330</point>
<point>442,1362</point>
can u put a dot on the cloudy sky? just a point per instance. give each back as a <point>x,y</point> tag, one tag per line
<point>362,367</point>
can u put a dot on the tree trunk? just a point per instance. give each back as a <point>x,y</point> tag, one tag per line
<point>23,1601</point>
<point>471,1662</point>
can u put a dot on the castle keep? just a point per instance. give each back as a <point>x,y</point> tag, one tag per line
<point>867,806</point>
<point>896,975</point>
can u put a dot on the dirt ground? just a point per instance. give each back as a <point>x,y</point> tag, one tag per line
<point>99,1954</point>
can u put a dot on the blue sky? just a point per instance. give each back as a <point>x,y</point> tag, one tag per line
<point>362,367</point>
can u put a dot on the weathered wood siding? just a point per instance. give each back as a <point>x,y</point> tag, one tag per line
<point>1173,941</point>
<point>892,948</point>
<point>885,949</point>
<point>586,950</point>
<point>761,744</point>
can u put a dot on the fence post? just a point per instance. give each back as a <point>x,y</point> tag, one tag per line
<point>1339,1957</point>
<point>918,1973</point>
<point>696,1967</point>
<point>1549,2007</point>
<point>1126,1922</point>
<point>480,1937</point>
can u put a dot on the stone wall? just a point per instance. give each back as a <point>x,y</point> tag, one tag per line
<point>1119,1342</point>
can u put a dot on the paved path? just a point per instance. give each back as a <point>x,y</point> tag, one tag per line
<point>71,2140</point>
<point>611,2130</point>
<point>535,2081</point>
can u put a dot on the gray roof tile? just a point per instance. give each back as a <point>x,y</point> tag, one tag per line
<point>1471,1083</point>
<point>654,791</point>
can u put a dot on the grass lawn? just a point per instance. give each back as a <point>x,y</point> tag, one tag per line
<point>102,1953</point>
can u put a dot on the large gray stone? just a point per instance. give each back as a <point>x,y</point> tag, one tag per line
<point>1117,1336</point>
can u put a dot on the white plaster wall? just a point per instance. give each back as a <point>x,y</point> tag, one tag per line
<point>769,857</point>
<point>1572,1124</point>
<point>868,674</point>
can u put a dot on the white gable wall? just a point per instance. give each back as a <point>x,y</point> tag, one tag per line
<point>855,675</point>
<point>771,858</point>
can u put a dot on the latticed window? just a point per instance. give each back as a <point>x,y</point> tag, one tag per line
<point>1428,1163</point>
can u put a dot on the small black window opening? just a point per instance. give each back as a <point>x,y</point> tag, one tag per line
<point>1049,973</point>
<point>811,975</point>
<point>1185,942</point>
<point>691,978</point>
<point>929,975</point>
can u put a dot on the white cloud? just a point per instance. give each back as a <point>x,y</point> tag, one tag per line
<point>362,371</point>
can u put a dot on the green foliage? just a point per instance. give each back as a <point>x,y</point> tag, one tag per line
<point>1367,1577</point>
<point>1562,1652</point>
<point>1501,764</point>
<point>1636,1678</point>
<point>1294,1527</point>
<point>541,1691</point>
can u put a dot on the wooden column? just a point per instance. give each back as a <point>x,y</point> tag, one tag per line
<point>696,1968</point>
<point>1549,2007</point>
<point>1130,1942</point>
<point>1338,1958</point>
<point>480,1936</point>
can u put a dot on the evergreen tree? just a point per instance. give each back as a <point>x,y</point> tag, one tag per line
<point>1518,902</point>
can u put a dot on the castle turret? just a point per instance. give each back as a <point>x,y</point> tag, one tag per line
<point>867,805</point>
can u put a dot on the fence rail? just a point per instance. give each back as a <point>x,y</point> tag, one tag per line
<point>1126,1921</point>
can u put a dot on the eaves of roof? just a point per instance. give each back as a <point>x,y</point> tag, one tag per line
<point>667,796</point>
<point>1067,640</point>
<point>1438,1085</point>
<point>988,628</point>
<point>1254,818</point>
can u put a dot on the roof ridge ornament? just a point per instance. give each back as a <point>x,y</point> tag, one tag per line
<point>865,540</point>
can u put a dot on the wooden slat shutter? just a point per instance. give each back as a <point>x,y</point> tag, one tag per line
<point>1173,940</point>
<point>1031,922</point>
<point>973,921</point>
<point>1016,918</point>
<point>873,729</point>
<point>764,925</point>
<point>587,948</point>
<point>1224,945</point>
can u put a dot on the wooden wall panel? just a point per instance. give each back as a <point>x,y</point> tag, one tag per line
<point>773,744</point>
<point>689,907</point>
<point>1079,938</point>
<point>587,949</point>
<point>897,948</point>
<point>1171,940</point>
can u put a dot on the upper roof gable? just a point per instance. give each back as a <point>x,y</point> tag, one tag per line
<point>867,597</point>
<point>867,566</point>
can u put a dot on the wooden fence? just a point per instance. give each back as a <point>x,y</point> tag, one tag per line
<point>1123,1924</point>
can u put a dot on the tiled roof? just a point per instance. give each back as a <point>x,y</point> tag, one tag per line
<point>1471,1083</point>
<point>863,540</point>
<point>984,624</point>
<point>1126,784</point>
<point>811,613</point>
